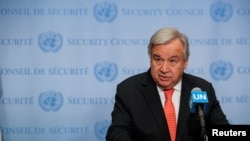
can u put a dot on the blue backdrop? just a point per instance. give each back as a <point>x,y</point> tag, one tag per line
<point>60,60</point>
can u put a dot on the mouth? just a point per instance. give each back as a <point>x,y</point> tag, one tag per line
<point>164,78</point>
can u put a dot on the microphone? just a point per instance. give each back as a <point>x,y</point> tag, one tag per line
<point>198,103</point>
<point>198,99</point>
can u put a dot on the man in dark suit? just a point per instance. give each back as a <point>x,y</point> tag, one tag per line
<point>138,113</point>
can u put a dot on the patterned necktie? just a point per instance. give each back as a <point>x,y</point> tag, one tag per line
<point>170,113</point>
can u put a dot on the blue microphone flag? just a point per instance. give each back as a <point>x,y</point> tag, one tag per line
<point>198,97</point>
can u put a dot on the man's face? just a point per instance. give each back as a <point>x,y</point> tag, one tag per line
<point>167,63</point>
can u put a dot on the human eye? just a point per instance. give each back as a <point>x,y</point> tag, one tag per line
<point>157,60</point>
<point>173,61</point>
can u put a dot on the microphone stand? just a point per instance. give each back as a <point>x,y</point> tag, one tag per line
<point>202,123</point>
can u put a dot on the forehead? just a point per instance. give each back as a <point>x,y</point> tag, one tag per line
<point>172,48</point>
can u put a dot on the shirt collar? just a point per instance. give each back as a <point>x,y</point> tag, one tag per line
<point>176,87</point>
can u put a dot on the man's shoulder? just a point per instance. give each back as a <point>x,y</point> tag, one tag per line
<point>135,78</point>
<point>194,78</point>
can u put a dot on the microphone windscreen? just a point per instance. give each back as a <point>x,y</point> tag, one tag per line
<point>198,97</point>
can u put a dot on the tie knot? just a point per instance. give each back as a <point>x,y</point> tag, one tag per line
<point>169,93</point>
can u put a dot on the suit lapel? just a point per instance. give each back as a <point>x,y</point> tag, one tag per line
<point>152,97</point>
<point>184,108</point>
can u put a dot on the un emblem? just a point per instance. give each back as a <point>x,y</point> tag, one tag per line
<point>50,41</point>
<point>221,11</point>
<point>221,70</point>
<point>101,129</point>
<point>105,11</point>
<point>50,101</point>
<point>105,71</point>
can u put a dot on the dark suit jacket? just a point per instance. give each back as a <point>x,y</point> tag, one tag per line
<point>138,114</point>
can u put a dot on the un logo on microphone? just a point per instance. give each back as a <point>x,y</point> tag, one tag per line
<point>50,101</point>
<point>50,41</point>
<point>221,70</point>
<point>105,71</point>
<point>221,11</point>
<point>105,11</point>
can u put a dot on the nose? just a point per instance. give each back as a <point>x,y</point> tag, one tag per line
<point>165,67</point>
